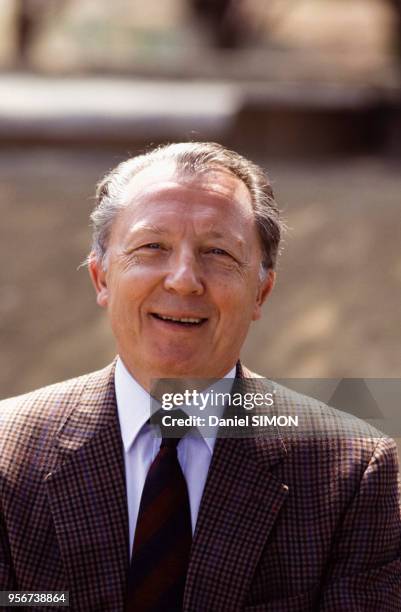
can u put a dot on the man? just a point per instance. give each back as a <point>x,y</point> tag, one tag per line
<point>92,502</point>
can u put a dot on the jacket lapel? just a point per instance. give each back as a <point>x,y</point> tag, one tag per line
<point>239,507</point>
<point>87,497</point>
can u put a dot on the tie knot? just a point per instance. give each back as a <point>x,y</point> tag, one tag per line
<point>171,434</point>
<point>170,443</point>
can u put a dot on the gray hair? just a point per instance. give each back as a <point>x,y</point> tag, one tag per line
<point>190,158</point>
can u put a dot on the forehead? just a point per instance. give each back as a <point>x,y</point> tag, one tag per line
<point>160,185</point>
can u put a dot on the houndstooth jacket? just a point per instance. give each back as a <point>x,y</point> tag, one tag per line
<point>285,523</point>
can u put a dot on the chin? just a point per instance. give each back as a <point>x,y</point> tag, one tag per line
<point>178,367</point>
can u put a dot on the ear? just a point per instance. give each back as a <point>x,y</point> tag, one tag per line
<point>264,290</point>
<point>98,277</point>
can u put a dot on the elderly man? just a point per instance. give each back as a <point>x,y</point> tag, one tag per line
<point>96,503</point>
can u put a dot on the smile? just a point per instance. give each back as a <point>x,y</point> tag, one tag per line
<point>184,321</point>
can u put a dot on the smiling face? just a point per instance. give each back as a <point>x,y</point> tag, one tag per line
<point>182,284</point>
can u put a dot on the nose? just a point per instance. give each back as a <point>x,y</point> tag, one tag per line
<point>184,276</point>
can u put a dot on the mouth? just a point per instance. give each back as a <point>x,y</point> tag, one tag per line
<point>176,321</point>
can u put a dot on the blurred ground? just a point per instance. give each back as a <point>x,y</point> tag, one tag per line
<point>335,310</point>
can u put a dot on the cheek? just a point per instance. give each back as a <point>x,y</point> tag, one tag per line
<point>235,306</point>
<point>122,304</point>
<point>129,288</point>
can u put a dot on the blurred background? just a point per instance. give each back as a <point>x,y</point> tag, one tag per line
<point>310,89</point>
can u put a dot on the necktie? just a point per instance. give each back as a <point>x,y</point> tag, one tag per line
<point>162,538</point>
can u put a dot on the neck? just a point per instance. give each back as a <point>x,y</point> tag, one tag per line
<point>154,381</point>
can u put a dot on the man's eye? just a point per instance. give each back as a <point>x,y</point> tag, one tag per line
<point>217,251</point>
<point>152,245</point>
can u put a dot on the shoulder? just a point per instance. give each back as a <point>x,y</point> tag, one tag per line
<point>50,402</point>
<point>325,433</point>
<point>33,419</point>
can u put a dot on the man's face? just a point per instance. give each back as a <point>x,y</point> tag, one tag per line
<point>181,284</point>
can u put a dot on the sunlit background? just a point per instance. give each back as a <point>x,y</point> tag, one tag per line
<point>310,89</point>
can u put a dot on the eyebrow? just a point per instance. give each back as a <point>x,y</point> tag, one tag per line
<point>160,230</point>
<point>217,234</point>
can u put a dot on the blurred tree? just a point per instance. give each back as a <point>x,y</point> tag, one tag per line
<point>225,20</point>
<point>29,16</point>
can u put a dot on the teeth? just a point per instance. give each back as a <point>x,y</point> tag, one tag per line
<point>180,320</point>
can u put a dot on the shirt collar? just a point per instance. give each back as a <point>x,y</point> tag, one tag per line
<point>133,406</point>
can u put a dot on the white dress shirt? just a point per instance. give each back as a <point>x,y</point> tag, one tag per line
<point>141,446</point>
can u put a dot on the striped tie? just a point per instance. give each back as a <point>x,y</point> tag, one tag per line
<point>163,537</point>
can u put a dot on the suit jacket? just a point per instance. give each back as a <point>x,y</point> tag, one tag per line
<point>286,523</point>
